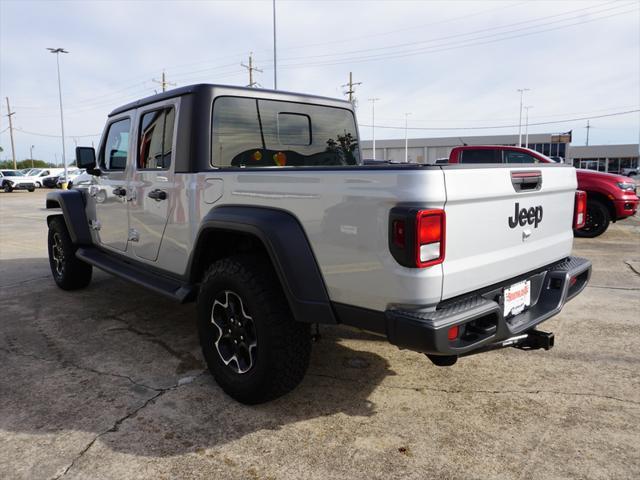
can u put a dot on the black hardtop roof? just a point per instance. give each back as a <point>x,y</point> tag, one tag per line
<point>177,92</point>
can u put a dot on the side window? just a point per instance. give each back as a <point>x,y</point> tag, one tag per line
<point>115,151</point>
<point>155,142</point>
<point>518,157</point>
<point>480,156</point>
<point>249,132</point>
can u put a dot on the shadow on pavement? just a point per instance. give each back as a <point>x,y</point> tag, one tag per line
<point>125,364</point>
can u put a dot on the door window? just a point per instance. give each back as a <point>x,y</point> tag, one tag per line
<point>481,155</point>
<point>518,157</point>
<point>156,139</point>
<point>115,151</point>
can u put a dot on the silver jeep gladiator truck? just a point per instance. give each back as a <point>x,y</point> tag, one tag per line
<point>256,205</point>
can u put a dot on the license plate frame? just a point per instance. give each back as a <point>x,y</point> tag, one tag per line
<point>516,298</point>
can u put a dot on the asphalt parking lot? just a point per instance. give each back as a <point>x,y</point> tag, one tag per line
<point>109,382</point>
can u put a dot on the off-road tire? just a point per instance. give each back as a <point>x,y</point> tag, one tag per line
<point>68,271</point>
<point>597,222</point>
<point>283,345</point>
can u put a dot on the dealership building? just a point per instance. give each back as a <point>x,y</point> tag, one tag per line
<point>605,158</point>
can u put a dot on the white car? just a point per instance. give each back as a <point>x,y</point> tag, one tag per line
<point>38,175</point>
<point>11,180</point>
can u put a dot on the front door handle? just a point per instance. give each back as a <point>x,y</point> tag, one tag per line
<point>157,195</point>
<point>119,192</point>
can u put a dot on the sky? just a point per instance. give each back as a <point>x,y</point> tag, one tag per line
<point>454,66</point>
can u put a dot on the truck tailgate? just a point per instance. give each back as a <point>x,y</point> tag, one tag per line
<point>497,228</point>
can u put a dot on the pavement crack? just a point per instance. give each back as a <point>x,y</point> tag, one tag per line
<point>633,269</point>
<point>17,284</point>
<point>121,420</point>
<point>66,363</point>
<point>607,287</point>
<point>489,392</point>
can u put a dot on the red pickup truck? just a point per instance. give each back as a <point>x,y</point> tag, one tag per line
<point>609,197</point>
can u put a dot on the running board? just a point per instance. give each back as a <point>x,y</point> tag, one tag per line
<point>174,289</point>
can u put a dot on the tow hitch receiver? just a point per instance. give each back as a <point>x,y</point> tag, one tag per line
<point>536,339</point>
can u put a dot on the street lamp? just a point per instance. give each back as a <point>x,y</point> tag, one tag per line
<point>526,125</point>
<point>58,51</point>
<point>31,154</point>
<point>406,137</point>
<point>373,123</point>
<point>521,90</point>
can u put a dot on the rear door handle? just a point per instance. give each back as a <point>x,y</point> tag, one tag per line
<point>157,195</point>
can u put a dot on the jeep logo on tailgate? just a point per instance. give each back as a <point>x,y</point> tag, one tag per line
<point>533,216</point>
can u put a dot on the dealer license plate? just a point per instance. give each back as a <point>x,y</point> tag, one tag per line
<point>516,298</point>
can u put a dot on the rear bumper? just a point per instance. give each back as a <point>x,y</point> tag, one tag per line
<point>479,316</point>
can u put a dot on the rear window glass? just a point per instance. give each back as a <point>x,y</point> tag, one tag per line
<point>156,139</point>
<point>249,132</point>
<point>481,156</point>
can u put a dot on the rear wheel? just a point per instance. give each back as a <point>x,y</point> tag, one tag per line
<point>253,347</point>
<point>597,221</point>
<point>69,272</point>
<point>31,189</point>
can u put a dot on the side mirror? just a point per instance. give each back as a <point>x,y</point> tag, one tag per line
<point>86,158</point>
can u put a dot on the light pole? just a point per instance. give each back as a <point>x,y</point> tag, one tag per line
<point>58,51</point>
<point>406,137</point>
<point>31,154</point>
<point>526,125</point>
<point>521,90</point>
<point>373,123</point>
<point>275,70</point>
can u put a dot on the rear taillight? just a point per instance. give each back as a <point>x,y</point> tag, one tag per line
<point>430,229</point>
<point>417,237</point>
<point>580,210</point>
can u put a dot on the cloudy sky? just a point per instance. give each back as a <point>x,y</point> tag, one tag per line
<point>454,65</point>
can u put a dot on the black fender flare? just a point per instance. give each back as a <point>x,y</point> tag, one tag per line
<point>72,204</point>
<point>288,248</point>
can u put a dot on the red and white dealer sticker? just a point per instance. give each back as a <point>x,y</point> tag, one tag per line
<point>517,297</point>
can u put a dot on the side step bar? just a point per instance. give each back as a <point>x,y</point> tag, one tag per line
<point>174,289</point>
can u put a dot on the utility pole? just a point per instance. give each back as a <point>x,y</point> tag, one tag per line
<point>406,137</point>
<point>373,123</point>
<point>521,90</point>
<point>13,147</point>
<point>275,69</point>
<point>58,51</point>
<point>351,90</point>
<point>251,68</point>
<point>588,127</point>
<point>31,154</point>
<point>526,127</point>
<point>164,82</point>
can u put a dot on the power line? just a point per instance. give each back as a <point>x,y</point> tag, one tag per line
<point>436,49</point>
<point>491,29</point>
<point>393,127</point>
<point>17,129</point>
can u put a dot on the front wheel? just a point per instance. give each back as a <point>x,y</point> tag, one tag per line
<point>253,347</point>
<point>597,221</point>
<point>7,188</point>
<point>31,189</point>
<point>69,272</point>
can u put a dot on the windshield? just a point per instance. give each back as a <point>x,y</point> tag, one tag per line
<point>11,173</point>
